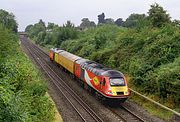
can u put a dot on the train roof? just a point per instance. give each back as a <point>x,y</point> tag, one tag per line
<point>93,66</point>
<point>100,69</point>
<point>112,73</point>
<point>81,60</point>
<point>59,51</point>
<point>55,49</point>
<point>70,56</point>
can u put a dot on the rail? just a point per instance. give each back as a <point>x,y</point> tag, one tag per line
<point>130,116</point>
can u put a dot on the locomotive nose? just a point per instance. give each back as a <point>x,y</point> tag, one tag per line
<point>118,86</point>
<point>120,90</point>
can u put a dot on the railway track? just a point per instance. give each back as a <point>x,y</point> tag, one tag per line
<point>121,112</point>
<point>83,110</point>
<point>125,114</point>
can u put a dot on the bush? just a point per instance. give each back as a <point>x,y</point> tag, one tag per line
<point>22,90</point>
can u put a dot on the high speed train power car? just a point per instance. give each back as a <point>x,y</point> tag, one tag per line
<point>104,82</point>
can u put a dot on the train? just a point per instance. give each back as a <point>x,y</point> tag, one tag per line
<point>106,83</point>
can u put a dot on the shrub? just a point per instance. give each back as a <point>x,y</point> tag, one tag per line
<point>22,89</point>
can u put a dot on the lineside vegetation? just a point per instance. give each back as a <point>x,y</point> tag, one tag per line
<point>22,89</point>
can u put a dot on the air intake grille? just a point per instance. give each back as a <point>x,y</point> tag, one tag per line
<point>120,93</point>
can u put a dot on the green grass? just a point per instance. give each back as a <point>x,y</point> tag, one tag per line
<point>151,107</point>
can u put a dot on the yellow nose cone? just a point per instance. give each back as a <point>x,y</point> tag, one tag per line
<point>116,89</point>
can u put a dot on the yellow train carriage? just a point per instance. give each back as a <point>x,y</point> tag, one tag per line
<point>67,60</point>
<point>56,55</point>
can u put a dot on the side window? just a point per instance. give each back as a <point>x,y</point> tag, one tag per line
<point>104,82</point>
<point>88,68</point>
<point>94,71</point>
<point>82,65</point>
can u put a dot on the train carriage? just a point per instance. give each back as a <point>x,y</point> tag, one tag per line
<point>67,60</point>
<point>79,71</point>
<point>53,54</point>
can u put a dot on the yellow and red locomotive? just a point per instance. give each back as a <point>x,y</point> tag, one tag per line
<point>106,82</point>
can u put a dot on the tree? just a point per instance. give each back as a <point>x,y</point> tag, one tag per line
<point>48,39</point>
<point>158,15</point>
<point>176,23</point>
<point>51,26</point>
<point>40,37</point>
<point>92,24</point>
<point>109,21</point>
<point>41,23</point>
<point>8,20</point>
<point>34,30</point>
<point>119,22</point>
<point>53,34</point>
<point>86,23</point>
<point>69,24</point>
<point>135,20</point>
<point>101,19</point>
<point>27,29</point>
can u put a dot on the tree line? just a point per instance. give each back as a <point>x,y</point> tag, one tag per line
<point>53,34</point>
<point>156,17</point>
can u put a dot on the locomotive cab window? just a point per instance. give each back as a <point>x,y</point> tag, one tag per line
<point>117,82</point>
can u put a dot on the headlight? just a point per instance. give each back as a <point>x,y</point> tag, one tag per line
<point>109,92</point>
<point>126,93</point>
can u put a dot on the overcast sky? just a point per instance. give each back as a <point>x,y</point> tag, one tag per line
<point>59,11</point>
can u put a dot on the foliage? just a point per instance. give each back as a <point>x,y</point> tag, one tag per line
<point>8,20</point>
<point>119,22</point>
<point>101,18</point>
<point>136,20</point>
<point>27,29</point>
<point>22,90</point>
<point>50,26</point>
<point>158,15</point>
<point>7,42</point>
<point>109,21</point>
<point>176,23</point>
<point>35,29</point>
<point>86,24</point>
<point>53,34</point>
